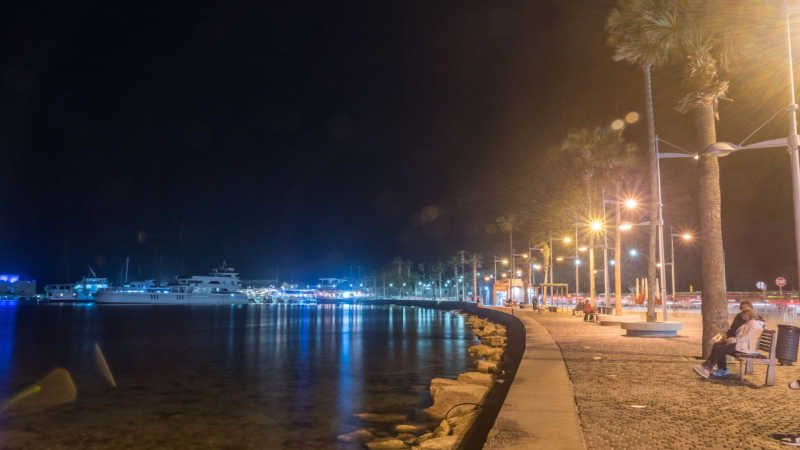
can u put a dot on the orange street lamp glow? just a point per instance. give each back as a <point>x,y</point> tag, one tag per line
<point>687,236</point>
<point>504,261</point>
<point>618,124</point>
<point>583,248</point>
<point>596,225</point>
<point>560,258</point>
<point>631,203</point>
<point>625,226</point>
<point>524,256</point>
<point>505,274</point>
<point>632,117</point>
<point>567,240</point>
<point>537,267</point>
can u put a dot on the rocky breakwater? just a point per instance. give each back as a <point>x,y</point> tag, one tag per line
<point>455,401</point>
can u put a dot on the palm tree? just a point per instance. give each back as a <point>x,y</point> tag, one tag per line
<point>476,261</point>
<point>398,263</point>
<point>652,33</point>
<point>438,270</point>
<point>455,262</point>
<point>597,155</point>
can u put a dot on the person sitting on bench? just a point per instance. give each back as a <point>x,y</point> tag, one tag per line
<point>738,321</point>
<point>746,341</point>
<point>588,311</point>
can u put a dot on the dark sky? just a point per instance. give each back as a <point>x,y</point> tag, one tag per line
<point>316,136</point>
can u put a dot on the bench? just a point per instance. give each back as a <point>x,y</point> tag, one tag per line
<point>767,343</point>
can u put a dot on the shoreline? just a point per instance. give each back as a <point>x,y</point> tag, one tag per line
<point>466,407</point>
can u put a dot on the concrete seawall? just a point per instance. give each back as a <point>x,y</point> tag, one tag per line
<point>477,436</point>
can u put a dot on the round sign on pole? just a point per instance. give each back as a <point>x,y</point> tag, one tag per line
<point>761,286</point>
<point>780,282</point>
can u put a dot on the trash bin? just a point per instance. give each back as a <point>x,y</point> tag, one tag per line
<point>788,338</point>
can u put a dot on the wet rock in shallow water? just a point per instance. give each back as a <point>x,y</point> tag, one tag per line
<point>440,443</point>
<point>486,366</point>
<point>484,351</point>
<point>408,438</point>
<point>359,435</point>
<point>407,428</point>
<point>461,424</point>
<point>448,396</point>
<point>483,379</point>
<point>426,436</point>
<point>438,383</point>
<point>494,341</point>
<point>386,444</point>
<point>443,429</point>
<point>381,418</point>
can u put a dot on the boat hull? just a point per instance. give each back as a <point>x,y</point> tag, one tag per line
<point>169,298</point>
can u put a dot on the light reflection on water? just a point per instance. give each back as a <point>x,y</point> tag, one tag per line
<point>256,376</point>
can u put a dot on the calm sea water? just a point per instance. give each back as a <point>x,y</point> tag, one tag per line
<point>255,376</point>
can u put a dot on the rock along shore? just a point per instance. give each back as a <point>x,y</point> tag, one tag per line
<point>455,401</point>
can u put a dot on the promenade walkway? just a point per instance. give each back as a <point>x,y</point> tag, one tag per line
<point>539,410</point>
<point>641,392</point>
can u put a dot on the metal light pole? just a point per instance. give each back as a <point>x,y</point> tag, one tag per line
<point>605,253</point>
<point>577,266</point>
<point>618,263</point>
<point>662,269</point>
<point>672,263</point>
<point>793,150</point>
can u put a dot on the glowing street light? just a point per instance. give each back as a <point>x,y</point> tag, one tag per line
<point>631,203</point>
<point>633,253</point>
<point>577,262</point>
<point>625,226</point>
<point>583,248</point>
<point>687,237</point>
<point>537,267</point>
<point>560,259</point>
<point>596,225</point>
<point>567,240</point>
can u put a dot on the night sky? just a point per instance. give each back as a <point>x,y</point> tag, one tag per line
<point>313,137</point>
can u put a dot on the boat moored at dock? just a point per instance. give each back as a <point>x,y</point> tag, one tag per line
<point>221,287</point>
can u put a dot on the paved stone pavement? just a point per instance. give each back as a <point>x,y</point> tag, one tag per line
<point>642,393</point>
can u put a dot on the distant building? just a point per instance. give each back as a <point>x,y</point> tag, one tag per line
<point>12,287</point>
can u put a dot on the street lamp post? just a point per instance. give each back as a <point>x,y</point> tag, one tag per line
<point>793,150</point>
<point>661,262</point>
<point>684,236</point>
<point>577,266</point>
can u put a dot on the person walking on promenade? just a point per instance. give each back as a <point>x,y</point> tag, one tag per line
<point>745,341</point>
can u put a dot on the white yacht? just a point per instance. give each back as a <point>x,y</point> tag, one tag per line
<point>82,291</point>
<point>220,287</point>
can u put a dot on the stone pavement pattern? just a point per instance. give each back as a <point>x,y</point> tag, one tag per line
<point>636,392</point>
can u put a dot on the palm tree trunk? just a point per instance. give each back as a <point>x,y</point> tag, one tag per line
<point>715,302</point>
<point>651,263</point>
<point>592,280</point>
<point>618,257</point>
